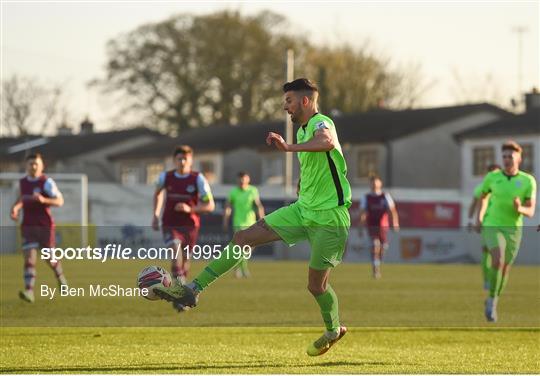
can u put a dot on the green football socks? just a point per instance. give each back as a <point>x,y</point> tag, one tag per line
<point>495,282</point>
<point>328,302</point>
<point>216,268</point>
<point>504,281</point>
<point>486,267</point>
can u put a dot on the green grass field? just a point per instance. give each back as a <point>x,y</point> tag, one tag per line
<point>417,319</point>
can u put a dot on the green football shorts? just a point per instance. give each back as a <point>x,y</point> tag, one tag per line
<point>506,237</point>
<point>326,231</point>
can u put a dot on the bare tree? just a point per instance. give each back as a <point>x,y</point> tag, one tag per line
<point>473,88</point>
<point>409,88</point>
<point>191,71</point>
<point>28,106</point>
<point>225,68</point>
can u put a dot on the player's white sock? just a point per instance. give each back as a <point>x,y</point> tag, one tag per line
<point>62,280</point>
<point>29,276</point>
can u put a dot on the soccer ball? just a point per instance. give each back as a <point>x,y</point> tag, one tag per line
<point>153,276</point>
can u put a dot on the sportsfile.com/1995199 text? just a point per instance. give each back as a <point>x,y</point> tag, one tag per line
<point>118,252</point>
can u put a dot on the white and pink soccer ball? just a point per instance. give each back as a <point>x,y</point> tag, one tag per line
<point>153,276</point>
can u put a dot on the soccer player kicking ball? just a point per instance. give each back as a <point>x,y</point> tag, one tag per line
<point>187,195</point>
<point>479,205</point>
<point>37,193</point>
<point>242,200</point>
<point>512,195</point>
<point>375,207</point>
<point>320,214</point>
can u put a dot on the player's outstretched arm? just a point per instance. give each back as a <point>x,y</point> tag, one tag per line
<point>395,218</point>
<point>51,201</point>
<point>321,141</point>
<point>362,219</point>
<point>16,208</point>
<point>157,205</point>
<point>478,210</point>
<point>206,198</point>
<point>472,208</point>
<point>57,201</point>
<point>54,198</point>
<point>260,207</point>
<point>277,141</point>
<point>226,215</point>
<point>527,208</point>
<point>207,206</point>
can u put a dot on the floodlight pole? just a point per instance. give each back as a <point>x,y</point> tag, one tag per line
<point>84,210</point>
<point>289,131</point>
<point>520,30</point>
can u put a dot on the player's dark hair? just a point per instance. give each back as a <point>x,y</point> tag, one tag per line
<point>373,177</point>
<point>300,84</point>
<point>493,166</point>
<point>182,149</point>
<point>241,174</point>
<point>33,156</point>
<point>511,145</point>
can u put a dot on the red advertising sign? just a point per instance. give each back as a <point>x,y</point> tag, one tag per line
<point>421,214</point>
<point>429,214</point>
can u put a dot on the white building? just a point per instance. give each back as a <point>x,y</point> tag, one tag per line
<point>413,149</point>
<point>481,146</point>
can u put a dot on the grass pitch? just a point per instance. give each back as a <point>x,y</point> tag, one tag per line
<point>417,319</point>
<point>267,350</point>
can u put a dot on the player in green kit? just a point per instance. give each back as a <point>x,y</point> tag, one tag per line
<point>512,194</point>
<point>320,214</point>
<point>479,204</point>
<point>242,200</point>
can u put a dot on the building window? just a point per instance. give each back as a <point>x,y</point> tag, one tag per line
<point>527,158</point>
<point>483,157</point>
<point>208,168</point>
<point>152,172</point>
<point>367,163</point>
<point>272,169</point>
<point>129,175</point>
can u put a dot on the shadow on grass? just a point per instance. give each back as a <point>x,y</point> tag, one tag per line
<point>182,368</point>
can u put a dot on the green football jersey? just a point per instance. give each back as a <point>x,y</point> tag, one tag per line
<point>242,202</point>
<point>503,190</point>
<point>323,180</point>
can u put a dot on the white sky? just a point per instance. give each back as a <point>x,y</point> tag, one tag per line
<point>65,42</point>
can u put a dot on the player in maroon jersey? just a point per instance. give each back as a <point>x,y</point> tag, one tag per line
<point>375,207</point>
<point>187,195</point>
<point>37,193</point>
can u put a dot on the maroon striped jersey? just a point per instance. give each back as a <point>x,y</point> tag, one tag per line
<point>34,212</point>
<point>376,207</point>
<point>180,189</point>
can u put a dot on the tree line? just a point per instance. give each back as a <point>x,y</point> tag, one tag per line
<point>227,68</point>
